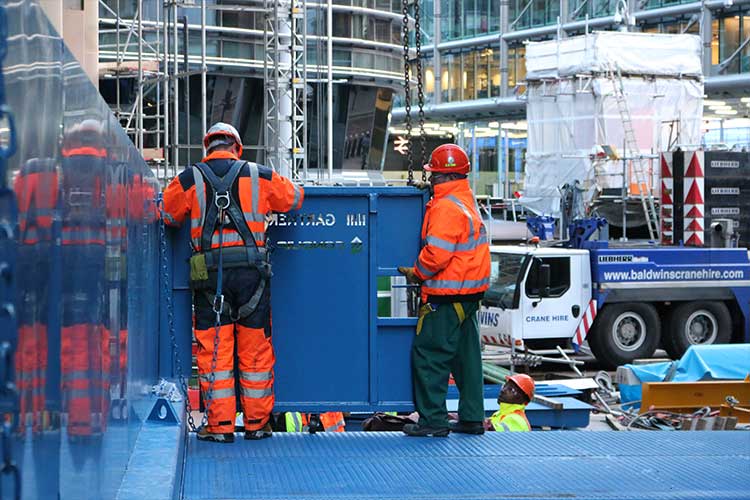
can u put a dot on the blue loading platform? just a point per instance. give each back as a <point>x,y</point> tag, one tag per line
<point>538,465</point>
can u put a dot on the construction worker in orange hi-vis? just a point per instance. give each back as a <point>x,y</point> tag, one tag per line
<point>453,268</point>
<point>227,200</point>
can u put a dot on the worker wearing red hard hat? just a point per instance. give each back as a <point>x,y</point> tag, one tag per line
<point>516,393</point>
<point>226,200</point>
<point>453,268</point>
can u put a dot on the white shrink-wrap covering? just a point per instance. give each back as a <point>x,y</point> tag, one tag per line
<point>632,53</point>
<point>569,116</point>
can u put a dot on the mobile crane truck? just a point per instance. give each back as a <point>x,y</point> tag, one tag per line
<point>626,300</point>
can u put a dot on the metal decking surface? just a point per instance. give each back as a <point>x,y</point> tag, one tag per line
<point>537,465</point>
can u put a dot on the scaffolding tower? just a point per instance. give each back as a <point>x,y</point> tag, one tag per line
<point>285,84</point>
<point>161,65</point>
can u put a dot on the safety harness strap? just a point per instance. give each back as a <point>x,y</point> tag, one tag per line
<point>245,309</point>
<point>222,190</point>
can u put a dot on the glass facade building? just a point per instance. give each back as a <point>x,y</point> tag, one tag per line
<point>475,62</point>
<point>367,69</point>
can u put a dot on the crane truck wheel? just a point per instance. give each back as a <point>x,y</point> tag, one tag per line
<point>697,323</point>
<point>624,332</point>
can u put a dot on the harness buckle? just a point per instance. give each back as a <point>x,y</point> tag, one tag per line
<point>218,304</point>
<point>222,200</point>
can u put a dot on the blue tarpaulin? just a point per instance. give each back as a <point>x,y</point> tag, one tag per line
<point>700,362</point>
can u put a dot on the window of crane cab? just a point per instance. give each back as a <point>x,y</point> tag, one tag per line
<point>559,282</point>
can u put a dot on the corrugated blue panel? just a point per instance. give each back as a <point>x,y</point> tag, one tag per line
<point>539,465</point>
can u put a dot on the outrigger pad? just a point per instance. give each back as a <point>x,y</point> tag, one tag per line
<point>163,412</point>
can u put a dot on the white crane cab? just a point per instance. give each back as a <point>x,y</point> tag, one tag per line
<point>535,294</point>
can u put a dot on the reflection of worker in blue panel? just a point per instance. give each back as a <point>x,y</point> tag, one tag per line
<point>36,193</point>
<point>84,338</point>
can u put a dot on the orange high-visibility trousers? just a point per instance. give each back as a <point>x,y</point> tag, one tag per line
<point>255,352</point>
<point>252,335</point>
<point>256,360</point>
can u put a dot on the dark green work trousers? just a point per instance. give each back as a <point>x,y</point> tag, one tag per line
<point>447,345</point>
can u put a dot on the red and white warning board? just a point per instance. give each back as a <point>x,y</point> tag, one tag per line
<point>694,202</point>
<point>585,325</point>
<point>667,199</point>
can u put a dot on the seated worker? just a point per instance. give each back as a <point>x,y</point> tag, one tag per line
<point>516,393</point>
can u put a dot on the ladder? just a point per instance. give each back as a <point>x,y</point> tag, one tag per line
<point>631,152</point>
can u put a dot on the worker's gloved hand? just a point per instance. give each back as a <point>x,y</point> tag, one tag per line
<point>411,277</point>
<point>423,185</point>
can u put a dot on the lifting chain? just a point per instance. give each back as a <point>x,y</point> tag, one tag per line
<point>172,335</point>
<point>420,89</point>
<point>407,91</point>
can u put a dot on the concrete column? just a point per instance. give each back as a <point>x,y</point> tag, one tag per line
<point>504,24</point>
<point>437,63</point>
<point>706,37</point>
<point>80,30</point>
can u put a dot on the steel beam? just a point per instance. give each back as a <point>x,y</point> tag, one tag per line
<point>686,397</point>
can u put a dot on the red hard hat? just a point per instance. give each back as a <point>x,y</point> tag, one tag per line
<point>524,382</point>
<point>222,129</point>
<point>448,158</point>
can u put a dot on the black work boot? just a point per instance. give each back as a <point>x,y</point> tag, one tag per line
<point>217,437</point>
<point>466,427</point>
<point>265,432</point>
<point>424,431</point>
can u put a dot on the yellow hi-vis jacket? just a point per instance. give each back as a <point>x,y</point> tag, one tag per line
<point>510,418</point>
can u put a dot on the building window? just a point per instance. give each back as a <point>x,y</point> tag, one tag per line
<point>468,76</point>
<point>495,72</point>
<point>483,73</point>
<point>516,66</point>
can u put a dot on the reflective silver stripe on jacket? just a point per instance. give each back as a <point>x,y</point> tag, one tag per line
<point>466,212</point>
<point>256,376</point>
<point>472,244</point>
<point>234,237</point>
<point>254,188</point>
<point>200,193</point>
<point>170,219</point>
<point>251,217</point>
<point>505,427</point>
<point>457,285</point>
<point>335,426</point>
<point>256,393</point>
<point>425,272</point>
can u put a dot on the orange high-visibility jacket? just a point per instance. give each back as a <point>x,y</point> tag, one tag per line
<point>454,263</point>
<point>188,193</point>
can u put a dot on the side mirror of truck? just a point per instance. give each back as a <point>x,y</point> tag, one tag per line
<point>544,280</point>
